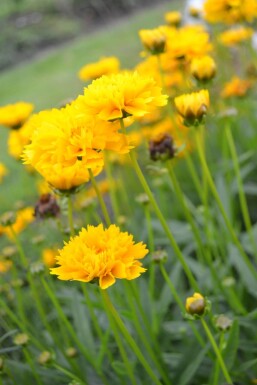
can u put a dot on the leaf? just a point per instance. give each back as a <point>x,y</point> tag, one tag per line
<point>243,270</point>
<point>119,368</point>
<point>229,353</point>
<point>190,370</point>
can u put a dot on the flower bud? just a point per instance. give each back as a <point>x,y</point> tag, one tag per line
<point>203,68</point>
<point>21,339</point>
<point>193,107</point>
<point>223,323</point>
<point>8,219</point>
<point>195,305</point>
<point>47,207</point>
<point>173,19</point>
<point>44,358</point>
<point>162,148</point>
<point>154,40</point>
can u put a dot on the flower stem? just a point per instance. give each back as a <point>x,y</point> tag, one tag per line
<point>70,216</point>
<point>163,222</point>
<point>129,339</point>
<point>234,237</point>
<point>100,199</point>
<point>19,247</point>
<point>108,169</point>
<point>217,352</point>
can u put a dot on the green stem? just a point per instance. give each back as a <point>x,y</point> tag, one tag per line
<point>123,352</point>
<point>70,215</point>
<point>217,366</point>
<point>242,198</point>
<point>108,169</point>
<point>32,366</point>
<point>129,339</point>
<point>163,222</point>
<point>217,352</point>
<point>222,210</point>
<point>179,302</point>
<point>19,247</point>
<point>69,374</point>
<point>100,199</point>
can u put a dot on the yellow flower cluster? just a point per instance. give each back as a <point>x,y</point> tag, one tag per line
<point>230,11</point>
<point>105,66</point>
<point>102,255</point>
<point>234,36</point>
<point>14,115</point>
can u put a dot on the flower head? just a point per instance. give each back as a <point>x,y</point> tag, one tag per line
<point>100,254</point>
<point>236,87</point>
<point>105,66</point>
<point>193,107</point>
<point>23,218</point>
<point>173,18</point>
<point>48,257</point>
<point>154,40</point>
<point>230,11</point>
<point>203,68</point>
<point>234,36</point>
<point>117,96</point>
<point>14,115</point>
<point>195,305</point>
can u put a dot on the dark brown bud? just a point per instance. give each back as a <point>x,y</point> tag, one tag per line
<point>162,148</point>
<point>47,207</point>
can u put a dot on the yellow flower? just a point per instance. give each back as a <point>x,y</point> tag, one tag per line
<point>230,11</point>
<point>193,107</point>
<point>203,68</point>
<point>67,143</point>
<point>236,87</point>
<point>14,115</point>
<point>194,12</point>
<point>105,66</point>
<point>23,218</point>
<point>48,257</point>
<point>5,265</point>
<point>187,43</point>
<point>195,305</point>
<point>154,40</point>
<point>117,96</point>
<point>173,18</point>
<point>234,36</point>
<point>102,255</point>
<point>3,172</point>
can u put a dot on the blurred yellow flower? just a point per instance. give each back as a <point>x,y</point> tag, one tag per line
<point>195,305</point>
<point>5,265</point>
<point>230,11</point>
<point>234,36</point>
<point>154,40</point>
<point>23,218</point>
<point>101,255</point>
<point>120,95</point>
<point>3,172</point>
<point>48,257</point>
<point>105,66</point>
<point>193,107</point>
<point>14,115</point>
<point>203,68</point>
<point>236,87</point>
<point>173,18</point>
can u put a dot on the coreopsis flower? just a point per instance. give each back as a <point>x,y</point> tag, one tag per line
<point>14,115</point>
<point>101,255</point>
<point>5,265</point>
<point>234,36</point>
<point>203,68</point>
<point>173,18</point>
<point>3,172</point>
<point>48,257</point>
<point>194,11</point>
<point>67,143</point>
<point>193,107</point>
<point>236,87</point>
<point>23,218</point>
<point>105,66</point>
<point>117,96</point>
<point>230,11</point>
<point>195,305</point>
<point>154,40</point>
